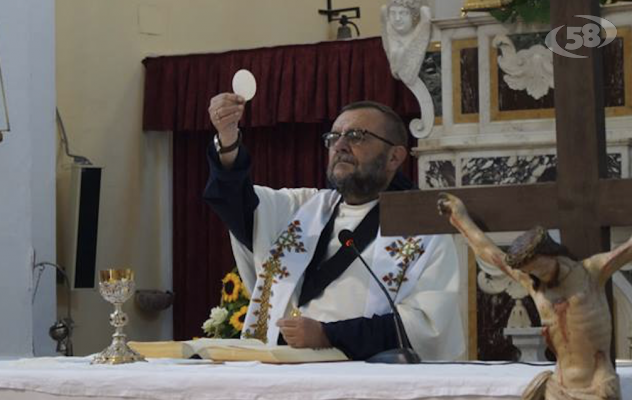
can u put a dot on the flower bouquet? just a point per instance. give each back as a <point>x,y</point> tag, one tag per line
<point>227,320</point>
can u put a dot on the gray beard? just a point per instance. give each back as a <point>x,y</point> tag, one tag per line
<point>366,182</point>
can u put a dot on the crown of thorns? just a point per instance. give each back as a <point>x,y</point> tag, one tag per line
<point>531,243</point>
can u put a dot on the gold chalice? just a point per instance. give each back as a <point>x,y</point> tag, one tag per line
<point>117,286</point>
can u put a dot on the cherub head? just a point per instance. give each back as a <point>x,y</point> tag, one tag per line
<point>404,15</point>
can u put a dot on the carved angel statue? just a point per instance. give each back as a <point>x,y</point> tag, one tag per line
<point>406,30</point>
<point>530,69</point>
<point>571,299</point>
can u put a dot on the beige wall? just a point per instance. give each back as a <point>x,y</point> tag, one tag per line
<point>100,46</point>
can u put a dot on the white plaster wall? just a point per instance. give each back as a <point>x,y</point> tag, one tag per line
<point>100,47</point>
<point>444,9</point>
<point>27,175</point>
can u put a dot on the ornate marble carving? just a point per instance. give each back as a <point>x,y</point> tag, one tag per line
<point>530,69</point>
<point>507,104</point>
<point>494,284</point>
<point>519,324</point>
<point>406,30</point>
<point>493,311</point>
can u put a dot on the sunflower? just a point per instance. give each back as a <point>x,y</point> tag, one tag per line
<point>231,287</point>
<point>238,318</point>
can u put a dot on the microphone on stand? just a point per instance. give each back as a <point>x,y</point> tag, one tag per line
<point>404,354</point>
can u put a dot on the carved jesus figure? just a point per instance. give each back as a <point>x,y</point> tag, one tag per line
<point>570,298</point>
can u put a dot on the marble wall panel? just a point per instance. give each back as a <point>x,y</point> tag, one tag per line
<point>430,74</point>
<point>511,170</point>
<point>440,174</point>
<point>469,79</point>
<point>614,73</point>
<point>507,170</point>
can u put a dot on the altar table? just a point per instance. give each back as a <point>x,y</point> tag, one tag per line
<point>74,378</point>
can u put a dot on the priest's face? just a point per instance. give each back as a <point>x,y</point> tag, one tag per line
<point>359,170</point>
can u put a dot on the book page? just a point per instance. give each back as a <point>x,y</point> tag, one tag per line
<point>185,349</point>
<point>235,350</point>
<point>193,347</point>
<point>271,354</point>
<point>166,349</point>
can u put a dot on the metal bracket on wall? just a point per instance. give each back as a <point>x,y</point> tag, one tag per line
<point>334,14</point>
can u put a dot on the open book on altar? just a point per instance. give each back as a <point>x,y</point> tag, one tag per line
<point>236,350</point>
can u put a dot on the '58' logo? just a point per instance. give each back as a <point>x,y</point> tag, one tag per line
<point>582,36</point>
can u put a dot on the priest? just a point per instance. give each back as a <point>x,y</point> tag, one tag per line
<point>306,289</point>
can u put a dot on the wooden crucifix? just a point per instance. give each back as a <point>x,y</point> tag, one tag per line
<point>582,203</point>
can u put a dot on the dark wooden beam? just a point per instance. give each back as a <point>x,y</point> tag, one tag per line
<point>580,124</point>
<point>581,141</point>
<point>499,208</point>
<point>503,208</point>
<point>615,202</point>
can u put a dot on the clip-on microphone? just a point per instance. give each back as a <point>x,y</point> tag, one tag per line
<point>404,354</point>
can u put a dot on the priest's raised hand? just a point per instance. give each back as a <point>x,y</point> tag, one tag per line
<point>225,111</point>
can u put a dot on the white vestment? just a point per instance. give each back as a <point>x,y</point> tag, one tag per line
<point>429,308</point>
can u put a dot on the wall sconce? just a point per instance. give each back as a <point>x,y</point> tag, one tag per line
<point>483,5</point>
<point>61,330</point>
<point>344,32</point>
<point>4,113</point>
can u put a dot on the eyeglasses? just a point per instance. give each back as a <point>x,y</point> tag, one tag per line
<point>353,136</point>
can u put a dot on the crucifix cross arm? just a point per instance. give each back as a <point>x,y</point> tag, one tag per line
<point>509,208</point>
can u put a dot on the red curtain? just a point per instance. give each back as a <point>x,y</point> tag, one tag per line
<point>300,92</point>
<point>301,83</point>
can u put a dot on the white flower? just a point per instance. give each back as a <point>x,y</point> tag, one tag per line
<point>218,315</point>
<point>206,327</point>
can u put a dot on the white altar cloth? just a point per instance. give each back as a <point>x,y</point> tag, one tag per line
<point>74,378</point>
